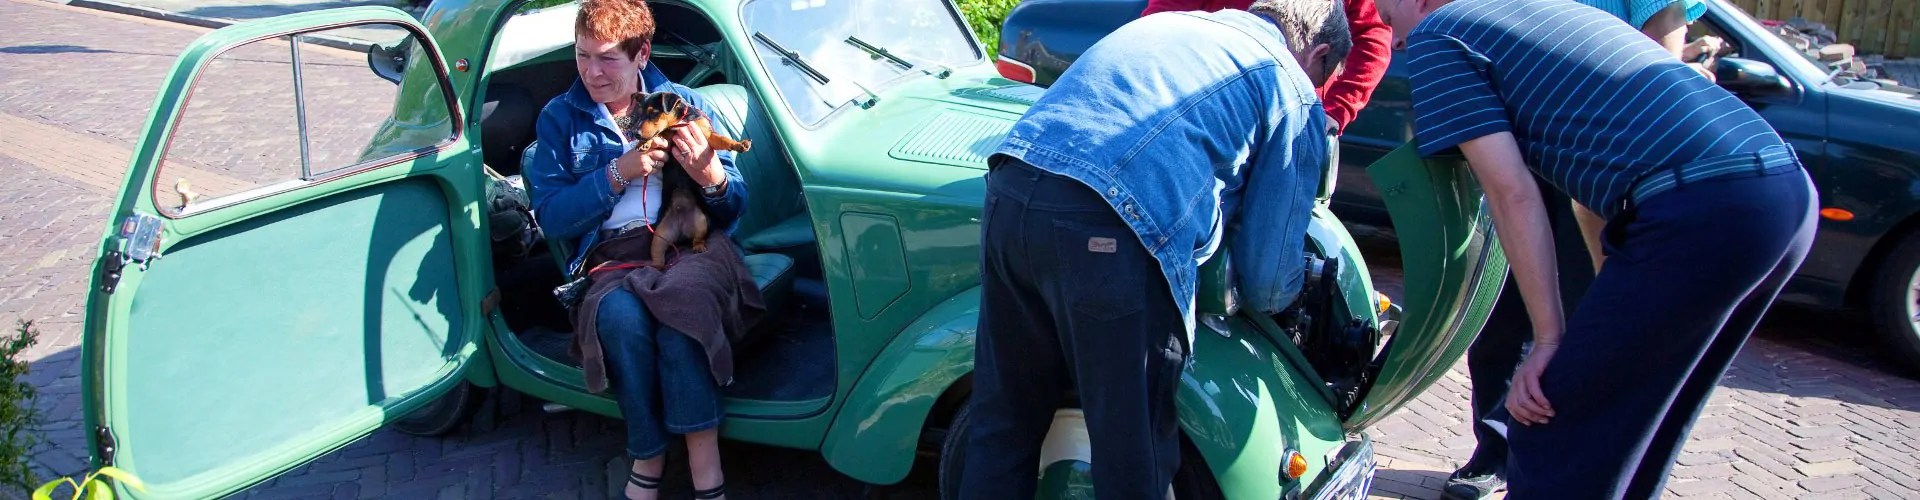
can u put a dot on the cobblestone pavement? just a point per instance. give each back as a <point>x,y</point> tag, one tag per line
<point>1807,411</point>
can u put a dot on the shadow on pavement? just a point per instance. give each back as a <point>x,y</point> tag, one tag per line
<point>51,49</point>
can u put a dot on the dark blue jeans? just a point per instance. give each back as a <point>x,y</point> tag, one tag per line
<point>1070,299</point>
<point>1496,352</point>
<point>1689,273</point>
<point>659,376</point>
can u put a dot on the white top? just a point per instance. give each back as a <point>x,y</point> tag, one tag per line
<point>633,206</point>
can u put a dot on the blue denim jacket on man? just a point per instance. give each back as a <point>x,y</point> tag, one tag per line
<point>572,193</point>
<point>1192,125</point>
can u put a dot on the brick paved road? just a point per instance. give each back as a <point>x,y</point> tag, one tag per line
<point>1806,412</point>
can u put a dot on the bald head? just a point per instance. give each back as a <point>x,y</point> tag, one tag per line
<point>1404,15</point>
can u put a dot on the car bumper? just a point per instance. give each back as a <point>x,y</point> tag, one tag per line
<point>1349,475</point>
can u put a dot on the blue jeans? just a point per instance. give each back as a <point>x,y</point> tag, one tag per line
<point>1070,299</point>
<point>1689,273</point>
<point>659,376</point>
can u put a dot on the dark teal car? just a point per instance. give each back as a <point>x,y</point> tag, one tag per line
<point>1858,139</point>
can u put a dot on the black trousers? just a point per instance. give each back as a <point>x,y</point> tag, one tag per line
<point>1496,352</point>
<point>1689,273</point>
<point>1070,299</point>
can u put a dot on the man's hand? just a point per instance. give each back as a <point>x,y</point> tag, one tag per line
<point>1700,53</point>
<point>1707,45</point>
<point>690,148</point>
<point>642,161</point>
<point>1524,399</point>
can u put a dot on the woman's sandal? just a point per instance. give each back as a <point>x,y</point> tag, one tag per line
<point>643,481</point>
<point>711,493</point>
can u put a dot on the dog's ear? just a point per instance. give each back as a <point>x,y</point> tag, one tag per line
<point>681,107</point>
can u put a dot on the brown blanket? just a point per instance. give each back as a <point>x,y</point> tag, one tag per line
<point>709,296</point>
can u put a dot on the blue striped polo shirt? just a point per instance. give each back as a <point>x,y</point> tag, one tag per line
<point>1637,12</point>
<point>1594,104</point>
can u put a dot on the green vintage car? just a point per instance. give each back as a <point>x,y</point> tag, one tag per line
<point>244,320</point>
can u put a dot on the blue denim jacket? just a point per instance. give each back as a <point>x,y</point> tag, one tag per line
<point>572,194</point>
<point>1192,125</point>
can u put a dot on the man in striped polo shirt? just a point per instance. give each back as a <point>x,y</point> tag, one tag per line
<point>1497,351</point>
<point>1707,214</point>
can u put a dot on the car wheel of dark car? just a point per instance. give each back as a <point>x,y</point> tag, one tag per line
<point>1193,481</point>
<point>445,414</point>
<point>1896,301</point>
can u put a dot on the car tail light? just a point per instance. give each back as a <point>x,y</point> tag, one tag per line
<point>1014,70</point>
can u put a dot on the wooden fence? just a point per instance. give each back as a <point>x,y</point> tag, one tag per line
<point>1873,26</point>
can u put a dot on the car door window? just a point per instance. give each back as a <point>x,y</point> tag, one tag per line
<point>279,113</point>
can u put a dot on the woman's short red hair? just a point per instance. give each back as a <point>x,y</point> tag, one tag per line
<point>629,21</point>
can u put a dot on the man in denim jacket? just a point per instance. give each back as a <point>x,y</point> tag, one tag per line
<point>589,183</point>
<point>1176,132</point>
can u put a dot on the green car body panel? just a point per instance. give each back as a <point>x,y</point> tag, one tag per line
<point>891,193</point>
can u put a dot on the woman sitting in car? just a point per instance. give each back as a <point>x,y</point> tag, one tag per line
<point>590,183</point>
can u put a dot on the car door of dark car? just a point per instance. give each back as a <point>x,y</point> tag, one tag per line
<point>1384,124</point>
<point>1799,114</point>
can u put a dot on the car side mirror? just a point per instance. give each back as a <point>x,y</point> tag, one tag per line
<point>390,63</point>
<point>1749,77</point>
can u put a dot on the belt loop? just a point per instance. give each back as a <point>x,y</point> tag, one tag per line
<point>1679,176</point>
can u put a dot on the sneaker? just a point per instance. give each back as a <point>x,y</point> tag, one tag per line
<point>1475,487</point>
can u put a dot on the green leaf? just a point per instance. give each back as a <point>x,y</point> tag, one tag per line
<point>98,490</point>
<point>45,491</point>
<point>124,477</point>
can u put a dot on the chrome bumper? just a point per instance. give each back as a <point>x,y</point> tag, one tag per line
<point>1350,474</point>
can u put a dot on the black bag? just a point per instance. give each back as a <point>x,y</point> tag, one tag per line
<point>510,218</point>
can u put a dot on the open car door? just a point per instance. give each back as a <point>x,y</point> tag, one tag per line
<point>1453,269</point>
<point>295,259</point>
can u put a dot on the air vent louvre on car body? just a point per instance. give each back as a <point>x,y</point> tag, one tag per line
<point>954,137</point>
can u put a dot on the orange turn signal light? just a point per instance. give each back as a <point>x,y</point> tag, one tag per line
<point>1381,300</point>
<point>1839,214</point>
<point>1296,465</point>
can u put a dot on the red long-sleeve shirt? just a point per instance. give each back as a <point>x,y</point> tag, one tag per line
<point>1347,92</point>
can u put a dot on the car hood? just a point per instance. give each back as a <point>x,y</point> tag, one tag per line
<point>957,121</point>
<point>1903,97</point>
<point>921,135</point>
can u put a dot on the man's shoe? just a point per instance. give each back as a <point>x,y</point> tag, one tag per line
<point>1473,487</point>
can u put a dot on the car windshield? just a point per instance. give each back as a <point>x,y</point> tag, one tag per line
<point>847,43</point>
<point>1795,61</point>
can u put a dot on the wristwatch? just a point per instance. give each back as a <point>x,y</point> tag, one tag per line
<point>715,189</point>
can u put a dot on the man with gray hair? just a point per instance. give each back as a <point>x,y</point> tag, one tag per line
<point>1177,133</point>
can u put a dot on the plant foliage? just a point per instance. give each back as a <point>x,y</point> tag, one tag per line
<point>19,415</point>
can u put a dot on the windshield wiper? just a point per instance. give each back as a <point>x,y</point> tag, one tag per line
<point>880,52</point>
<point>791,57</point>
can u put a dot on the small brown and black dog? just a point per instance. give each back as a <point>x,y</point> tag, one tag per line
<point>683,212</point>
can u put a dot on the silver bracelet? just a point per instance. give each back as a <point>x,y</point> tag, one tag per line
<point>613,169</point>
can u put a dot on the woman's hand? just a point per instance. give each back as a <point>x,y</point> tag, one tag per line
<point>690,148</point>
<point>1524,400</point>
<point>642,161</point>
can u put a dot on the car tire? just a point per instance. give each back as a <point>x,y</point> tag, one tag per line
<point>1191,482</point>
<point>445,413</point>
<point>1895,302</point>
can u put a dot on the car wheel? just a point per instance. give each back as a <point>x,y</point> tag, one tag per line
<point>445,414</point>
<point>1896,301</point>
<point>1069,460</point>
